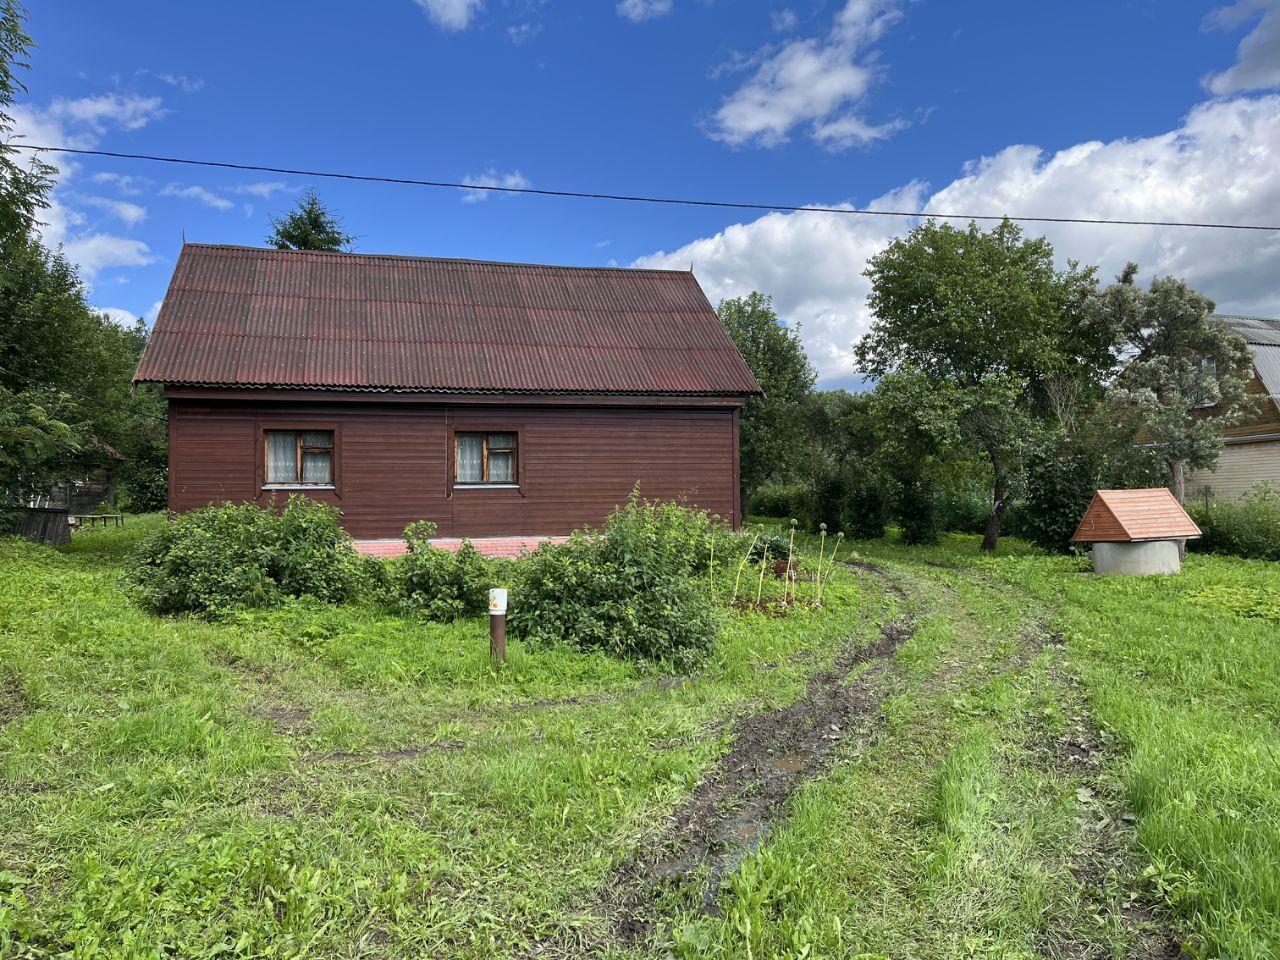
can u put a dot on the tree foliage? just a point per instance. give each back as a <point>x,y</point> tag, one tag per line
<point>309,226</point>
<point>1185,375</point>
<point>771,440</point>
<point>65,369</point>
<point>23,187</point>
<point>988,328</point>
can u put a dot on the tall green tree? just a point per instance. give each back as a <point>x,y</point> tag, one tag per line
<point>24,186</point>
<point>992,328</point>
<point>309,226</point>
<point>65,369</point>
<point>772,435</point>
<point>1184,373</point>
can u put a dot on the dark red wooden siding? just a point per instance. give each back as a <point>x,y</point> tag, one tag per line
<point>392,461</point>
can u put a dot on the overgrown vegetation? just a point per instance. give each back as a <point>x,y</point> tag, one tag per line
<point>224,558</point>
<point>440,584</point>
<point>630,590</point>
<point>1249,527</point>
<point>343,780</point>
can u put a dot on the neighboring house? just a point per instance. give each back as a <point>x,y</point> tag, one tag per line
<point>493,399</point>
<point>1251,452</point>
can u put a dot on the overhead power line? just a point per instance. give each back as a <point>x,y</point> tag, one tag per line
<point>626,198</point>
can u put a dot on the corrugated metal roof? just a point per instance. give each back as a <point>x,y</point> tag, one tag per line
<point>243,316</point>
<point>1266,363</point>
<point>1255,330</point>
<point>1123,516</point>
<point>1263,337</point>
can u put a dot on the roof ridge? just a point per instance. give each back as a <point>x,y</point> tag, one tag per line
<point>442,260</point>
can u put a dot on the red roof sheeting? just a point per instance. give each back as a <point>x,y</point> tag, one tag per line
<point>1125,516</point>
<point>242,316</point>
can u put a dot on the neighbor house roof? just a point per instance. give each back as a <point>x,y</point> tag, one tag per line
<point>248,317</point>
<point>1263,337</point>
<point>1124,516</point>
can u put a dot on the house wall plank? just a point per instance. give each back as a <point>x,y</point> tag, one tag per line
<point>1241,467</point>
<point>393,463</point>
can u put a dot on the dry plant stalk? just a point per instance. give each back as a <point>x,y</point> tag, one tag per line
<point>737,581</point>
<point>711,569</point>
<point>822,553</point>
<point>791,552</point>
<point>834,550</point>
<point>764,562</point>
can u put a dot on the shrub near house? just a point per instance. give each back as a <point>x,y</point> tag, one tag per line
<point>217,559</point>
<point>630,590</point>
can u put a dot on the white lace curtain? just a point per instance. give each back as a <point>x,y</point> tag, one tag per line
<point>282,456</point>
<point>470,458</point>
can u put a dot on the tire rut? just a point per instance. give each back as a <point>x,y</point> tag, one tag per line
<point>734,809</point>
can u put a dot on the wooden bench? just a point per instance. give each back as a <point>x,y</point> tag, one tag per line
<point>89,519</point>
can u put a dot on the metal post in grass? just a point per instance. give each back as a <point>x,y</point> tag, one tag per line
<point>498,624</point>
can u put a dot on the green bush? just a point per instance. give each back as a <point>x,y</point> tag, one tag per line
<point>442,585</point>
<point>963,512</point>
<point>1058,493</point>
<point>223,558</point>
<point>630,589</point>
<point>784,500</point>
<point>845,498</point>
<point>142,479</point>
<point>865,509</point>
<point>143,490</point>
<point>1247,528</point>
<point>915,510</point>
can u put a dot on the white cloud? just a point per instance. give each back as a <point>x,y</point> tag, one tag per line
<point>522,33</point>
<point>1220,165</point>
<point>637,11</point>
<point>492,178</point>
<point>119,316</point>
<point>1257,64</point>
<point>784,20</point>
<point>95,252</point>
<point>265,190</point>
<point>199,194</point>
<point>82,123</point>
<point>452,15</point>
<point>123,111</point>
<point>154,312</point>
<point>818,82</point>
<point>130,214</point>
<point>185,84</point>
<point>126,184</point>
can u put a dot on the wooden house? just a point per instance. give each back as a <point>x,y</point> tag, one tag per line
<point>1251,450</point>
<point>493,399</point>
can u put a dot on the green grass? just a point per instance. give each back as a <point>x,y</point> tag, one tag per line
<point>334,782</point>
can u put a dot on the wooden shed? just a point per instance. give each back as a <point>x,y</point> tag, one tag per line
<point>1135,531</point>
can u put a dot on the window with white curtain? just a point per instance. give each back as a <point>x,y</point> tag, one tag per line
<point>300,457</point>
<point>485,458</point>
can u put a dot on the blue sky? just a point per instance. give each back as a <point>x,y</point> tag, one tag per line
<point>1121,109</point>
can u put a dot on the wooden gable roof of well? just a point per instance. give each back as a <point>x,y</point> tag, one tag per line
<point>1127,516</point>
<point>249,317</point>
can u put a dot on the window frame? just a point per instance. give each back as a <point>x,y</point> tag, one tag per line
<point>299,427</point>
<point>484,432</point>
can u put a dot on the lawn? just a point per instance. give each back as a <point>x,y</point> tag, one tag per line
<point>958,756</point>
